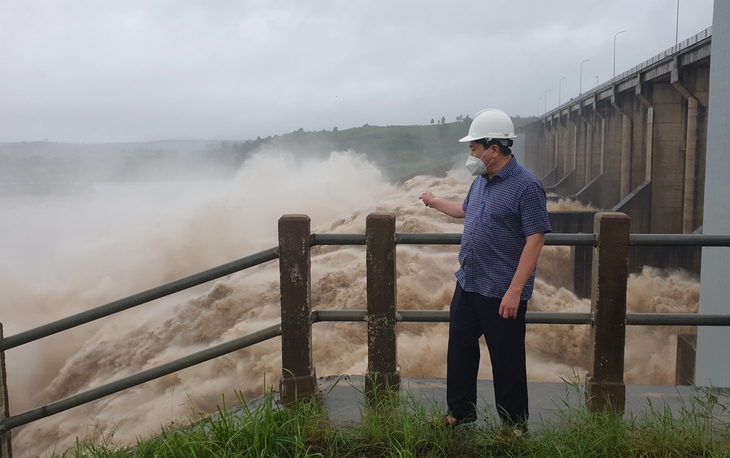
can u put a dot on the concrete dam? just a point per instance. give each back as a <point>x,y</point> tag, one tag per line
<point>635,144</point>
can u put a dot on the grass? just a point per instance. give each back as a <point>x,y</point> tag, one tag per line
<point>402,426</point>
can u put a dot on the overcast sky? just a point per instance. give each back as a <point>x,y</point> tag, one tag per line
<point>137,70</point>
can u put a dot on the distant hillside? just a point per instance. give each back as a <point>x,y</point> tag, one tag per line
<point>397,150</point>
<point>400,151</point>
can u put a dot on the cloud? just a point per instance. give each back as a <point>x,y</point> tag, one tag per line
<point>97,71</point>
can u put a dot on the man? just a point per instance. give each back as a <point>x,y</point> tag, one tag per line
<point>505,221</point>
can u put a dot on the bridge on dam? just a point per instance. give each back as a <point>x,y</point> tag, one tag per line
<point>635,144</point>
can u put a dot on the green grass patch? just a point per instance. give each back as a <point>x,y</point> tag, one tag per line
<point>402,426</point>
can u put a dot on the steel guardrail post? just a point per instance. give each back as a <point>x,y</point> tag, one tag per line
<point>383,374</point>
<point>605,388</point>
<point>6,449</point>
<point>298,376</point>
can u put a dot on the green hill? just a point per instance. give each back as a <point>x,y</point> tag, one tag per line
<point>399,151</point>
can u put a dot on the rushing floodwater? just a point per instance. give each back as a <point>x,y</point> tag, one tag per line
<point>64,254</point>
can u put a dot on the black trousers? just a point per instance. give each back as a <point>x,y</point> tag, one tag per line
<point>473,315</point>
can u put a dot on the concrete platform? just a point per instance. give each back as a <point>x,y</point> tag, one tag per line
<point>344,399</point>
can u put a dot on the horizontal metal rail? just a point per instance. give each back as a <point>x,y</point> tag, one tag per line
<point>139,378</point>
<point>137,299</point>
<point>570,239</point>
<point>678,240</point>
<point>417,316</point>
<point>676,319</point>
<point>442,316</point>
<point>337,239</point>
<point>411,238</point>
<point>408,238</point>
<point>325,239</point>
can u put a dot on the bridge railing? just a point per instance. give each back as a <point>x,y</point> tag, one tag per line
<point>608,317</point>
<point>694,39</point>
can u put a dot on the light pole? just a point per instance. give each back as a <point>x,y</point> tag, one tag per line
<point>538,105</point>
<point>614,52</point>
<point>560,89</point>
<point>676,35</point>
<point>596,80</point>
<point>580,91</point>
<point>546,100</point>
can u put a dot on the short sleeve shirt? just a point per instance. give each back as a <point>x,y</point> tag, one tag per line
<point>501,213</point>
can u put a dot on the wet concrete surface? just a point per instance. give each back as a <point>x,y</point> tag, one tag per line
<point>343,398</point>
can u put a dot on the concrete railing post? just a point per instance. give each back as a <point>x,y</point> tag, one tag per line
<point>605,389</point>
<point>6,450</point>
<point>298,378</point>
<point>383,371</point>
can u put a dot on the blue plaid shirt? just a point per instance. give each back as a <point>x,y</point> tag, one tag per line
<point>500,213</point>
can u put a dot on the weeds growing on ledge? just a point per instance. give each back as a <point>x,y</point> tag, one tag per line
<point>405,427</point>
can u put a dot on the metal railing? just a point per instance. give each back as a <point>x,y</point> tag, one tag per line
<point>681,46</point>
<point>137,299</point>
<point>295,241</point>
<point>707,33</point>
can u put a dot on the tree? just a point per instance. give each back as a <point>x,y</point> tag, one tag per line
<point>443,119</point>
<point>334,130</point>
<point>431,120</point>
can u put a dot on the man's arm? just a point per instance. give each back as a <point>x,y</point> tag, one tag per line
<point>454,209</point>
<point>528,261</point>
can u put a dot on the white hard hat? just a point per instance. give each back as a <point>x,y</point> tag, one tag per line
<point>491,123</point>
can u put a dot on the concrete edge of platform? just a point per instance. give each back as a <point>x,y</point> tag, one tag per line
<point>345,402</point>
<point>343,398</point>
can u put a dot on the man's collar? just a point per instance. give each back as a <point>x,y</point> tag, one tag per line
<point>506,169</point>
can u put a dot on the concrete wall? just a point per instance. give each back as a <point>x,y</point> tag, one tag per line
<point>637,145</point>
<point>582,256</point>
<point>668,161</point>
<point>687,258</point>
<point>637,142</point>
<point>713,367</point>
<point>654,143</point>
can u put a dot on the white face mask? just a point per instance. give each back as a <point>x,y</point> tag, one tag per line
<point>476,166</point>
